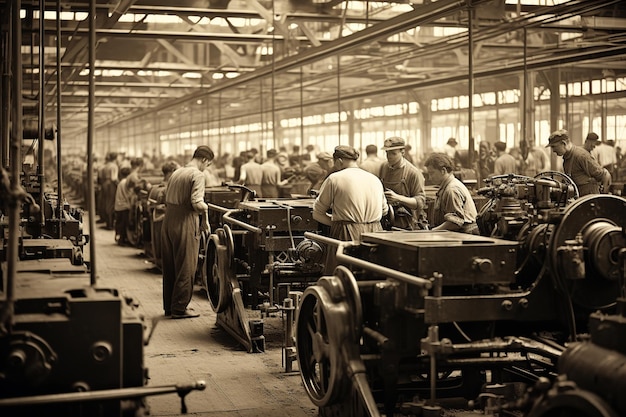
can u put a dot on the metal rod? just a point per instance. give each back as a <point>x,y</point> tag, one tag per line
<point>15,159</point>
<point>226,217</point>
<point>6,89</point>
<point>388,272</point>
<point>108,394</point>
<point>470,84</point>
<point>90,139</point>
<point>41,176</point>
<point>525,90</point>
<point>301,108</point>
<point>58,133</point>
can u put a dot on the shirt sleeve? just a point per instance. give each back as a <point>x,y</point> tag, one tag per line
<point>324,199</point>
<point>197,191</point>
<point>417,189</point>
<point>591,167</point>
<point>453,206</point>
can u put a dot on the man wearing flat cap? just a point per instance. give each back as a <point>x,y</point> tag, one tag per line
<point>251,174</point>
<point>317,171</point>
<point>604,153</point>
<point>180,232</point>
<point>404,186</point>
<point>591,141</point>
<point>271,178</point>
<point>355,196</point>
<point>579,165</point>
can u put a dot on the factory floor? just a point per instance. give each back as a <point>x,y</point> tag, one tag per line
<point>238,384</point>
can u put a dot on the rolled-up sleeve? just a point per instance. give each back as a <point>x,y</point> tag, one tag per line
<point>197,192</point>
<point>453,205</point>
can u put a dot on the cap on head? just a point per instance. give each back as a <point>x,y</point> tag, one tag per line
<point>452,142</point>
<point>592,137</point>
<point>324,156</point>
<point>557,136</point>
<point>393,143</point>
<point>203,151</point>
<point>345,152</point>
<point>501,146</point>
<point>271,153</point>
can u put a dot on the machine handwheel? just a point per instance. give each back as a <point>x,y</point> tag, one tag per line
<point>318,341</point>
<point>599,219</point>
<point>217,273</point>
<point>573,403</point>
<point>201,270</point>
<point>562,178</point>
<point>229,241</point>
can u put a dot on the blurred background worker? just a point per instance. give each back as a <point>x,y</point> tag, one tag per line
<point>251,174</point>
<point>591,141</point>
<point>271,175</point>
<point>317,172</point>
<point>372,163</point>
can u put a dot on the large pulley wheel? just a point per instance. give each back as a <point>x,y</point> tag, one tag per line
<point>352,297</point>
<point>324,325</point>
<point>201,269</point>
<point>573,403</point>
<point>229,241</point>
<point>598,220</point>
<point>218,272</point>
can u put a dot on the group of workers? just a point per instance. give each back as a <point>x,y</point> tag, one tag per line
<point>354,199</point>
<point>351,199</point>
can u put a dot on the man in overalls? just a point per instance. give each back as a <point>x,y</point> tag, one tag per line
<point>186,216</point>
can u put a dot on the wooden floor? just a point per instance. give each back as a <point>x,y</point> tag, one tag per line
<point>184,351</point>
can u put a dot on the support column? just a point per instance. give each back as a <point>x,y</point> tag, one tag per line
<point>555,106</point>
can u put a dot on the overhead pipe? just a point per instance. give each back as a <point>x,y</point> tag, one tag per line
<point>566,57</point>
<point>426,13</point>
<point>573,56</point>
<point>554,14</point>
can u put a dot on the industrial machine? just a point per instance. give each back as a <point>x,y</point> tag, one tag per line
<point>256,258</point>
<point>591,380</point>
<point>430,323</point>
<point>67,346</point>
<point>138,232</point>
<point>48,229</point>
<point>514,202</point>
